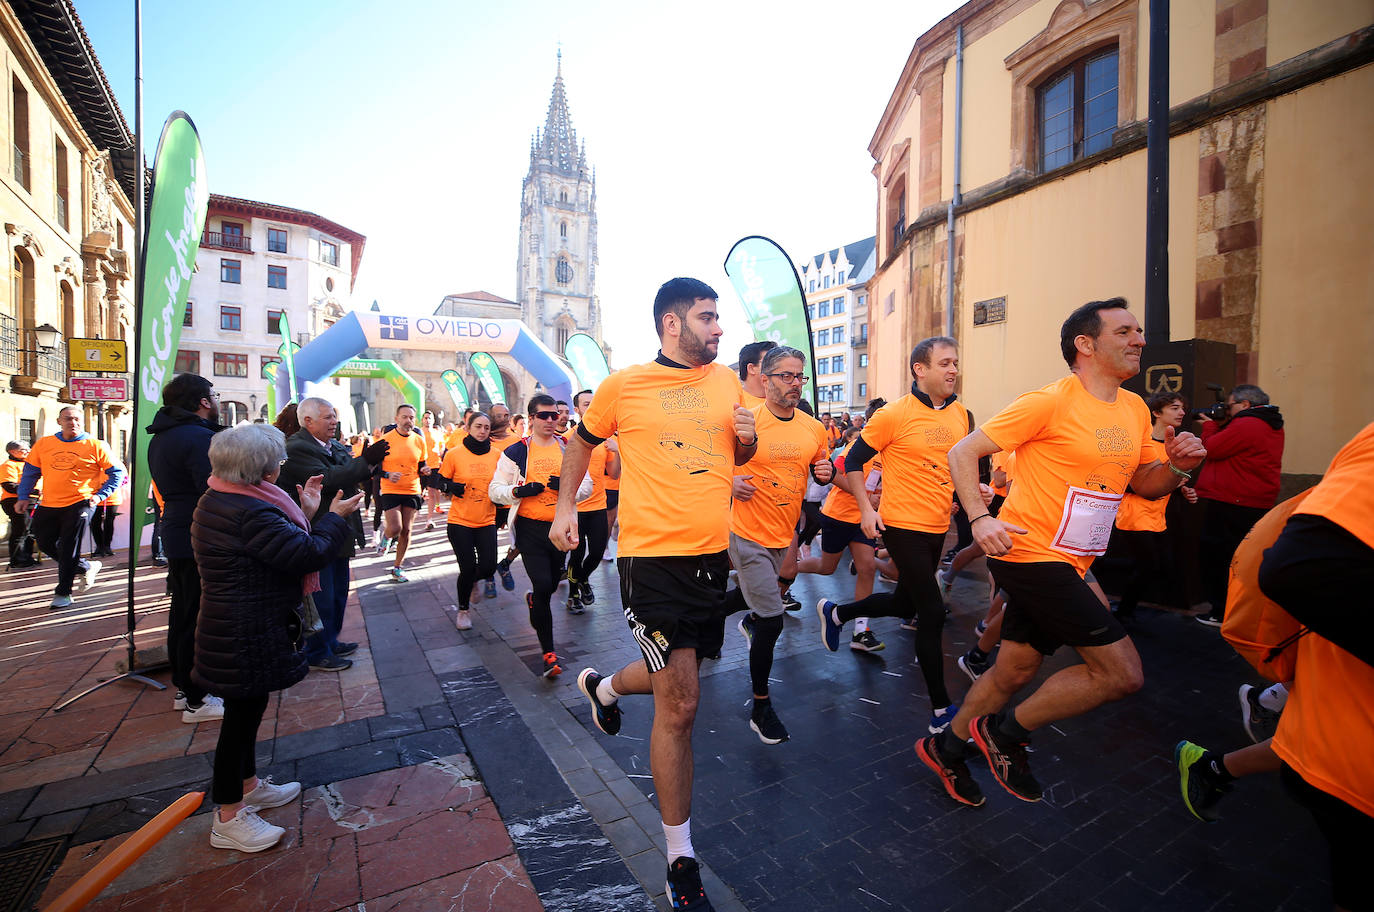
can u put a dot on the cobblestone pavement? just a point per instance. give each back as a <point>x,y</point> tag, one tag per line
<point>441,770</point>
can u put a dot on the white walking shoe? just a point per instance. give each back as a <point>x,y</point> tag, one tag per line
<point>92,568</point>
<point>270,795</point>
<point>464,621</point>
<point>246,832</point>
<point>208,711</point>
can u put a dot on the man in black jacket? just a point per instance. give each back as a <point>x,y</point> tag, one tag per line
<point>313,451</point>
<point>179,459</point>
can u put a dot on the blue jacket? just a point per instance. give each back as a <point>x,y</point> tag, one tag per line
<point>179,460</point>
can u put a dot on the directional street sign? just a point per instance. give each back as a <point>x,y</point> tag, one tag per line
<point>97,355</point>
<point>98,389</point>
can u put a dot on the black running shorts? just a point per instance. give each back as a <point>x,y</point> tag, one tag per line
<point>837,534</point>
<point>1049,605</point>
<point>392,501</point>
<point>674,603</point>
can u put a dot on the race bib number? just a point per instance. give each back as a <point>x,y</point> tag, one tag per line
<point>1086,525</point>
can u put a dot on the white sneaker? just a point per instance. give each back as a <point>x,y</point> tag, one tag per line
<point>247,832</point>
<point>210,710</point>
<point>92,568</point>
<point>270,795</point>
<point>61,601</point>
<point>179,701</point>
<point>464,621</point>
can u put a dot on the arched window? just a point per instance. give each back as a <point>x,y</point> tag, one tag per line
<point>563,273</point>
<point>1076,109</point>
<point>563,229</point>
<point>562,196</point>
<point>562,331</point>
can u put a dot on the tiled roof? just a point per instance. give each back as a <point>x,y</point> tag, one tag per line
<point>254,209</point>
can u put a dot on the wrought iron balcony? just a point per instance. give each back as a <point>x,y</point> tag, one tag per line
<point>239,242</point>
<point>9,343</point>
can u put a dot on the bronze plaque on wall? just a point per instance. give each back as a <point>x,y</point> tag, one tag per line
<point>993,310</point>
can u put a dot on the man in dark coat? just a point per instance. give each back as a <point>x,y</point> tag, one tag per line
<point>313,451</point>
<point>179,459</point>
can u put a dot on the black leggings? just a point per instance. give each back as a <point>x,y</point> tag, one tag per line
<point>592,534</point>
<point>916,555</point>
<point>1148,567</point>
<point>1348,831</point>
<point>102,526</point>
<point>810,522</point>
<point>476,553</point>
<point>234,753</point>
<point>544,564</point>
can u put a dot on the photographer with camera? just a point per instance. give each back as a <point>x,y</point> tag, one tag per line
<point>1239,482</point>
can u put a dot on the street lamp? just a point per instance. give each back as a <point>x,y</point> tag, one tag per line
<point>46,336</point>
<point>253,405</point>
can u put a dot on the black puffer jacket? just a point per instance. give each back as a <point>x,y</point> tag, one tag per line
<point>252,561</point>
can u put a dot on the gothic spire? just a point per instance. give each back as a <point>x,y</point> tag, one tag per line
<point>558,144</point>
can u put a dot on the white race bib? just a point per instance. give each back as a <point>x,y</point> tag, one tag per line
<point>1086,525</point>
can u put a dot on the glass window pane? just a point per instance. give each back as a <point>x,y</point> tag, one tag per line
<point>1056,123</point>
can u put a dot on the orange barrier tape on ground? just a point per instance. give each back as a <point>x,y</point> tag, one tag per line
<point>99,877</point>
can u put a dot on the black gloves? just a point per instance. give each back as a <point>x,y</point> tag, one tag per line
<point>456,488</point>
<point>553,482</point>
<point>528,489</point>
<point>374,453</point>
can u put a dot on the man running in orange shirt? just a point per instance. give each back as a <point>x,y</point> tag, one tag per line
<point>682,428</point>
<point>434,450</point>
<point>79,473</point>
<point>1079,442</point>
<point>764,523</point>
<point>402,469</point>
<point>913,436</point>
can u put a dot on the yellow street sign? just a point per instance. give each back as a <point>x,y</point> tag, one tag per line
<point>97,355</point>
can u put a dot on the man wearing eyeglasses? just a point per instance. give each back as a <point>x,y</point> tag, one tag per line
<point>682,427</point>
<point>763,525</point>
<point>913,436</point>
<point>527,479</point>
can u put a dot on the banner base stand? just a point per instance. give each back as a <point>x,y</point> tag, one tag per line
<point>127,676</point>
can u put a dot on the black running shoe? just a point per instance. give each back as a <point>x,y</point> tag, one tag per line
<point>588,596</point>
<point>789,601</point>
<point>953,772</point>
<point>1009,762</point>
<point>974,668</point>
<point>766,723</point>
<point>606,716</point>
<point>507,580</point>
<point>684,886</point>
<point>1260,723</point>
<point>574,603</point>
<point>1202,788</point>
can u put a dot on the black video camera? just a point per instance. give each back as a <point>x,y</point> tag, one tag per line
<point>1217,411</point>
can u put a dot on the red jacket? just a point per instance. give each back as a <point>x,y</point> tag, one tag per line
<point>1243,458</point>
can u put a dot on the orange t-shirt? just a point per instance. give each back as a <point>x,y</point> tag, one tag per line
<point>72,470</point>
<point>780,468</point>
<point>358,447</point>
<point>676,429</point>
<point>117,498</point>
<point>157,496</point>
<point>406,453</point>
<point>749,399</point>
<point>1327,728</point>
<point>1139,514</point>
<point>839,503</point>
<point>434,443</point>
<point>474,509</point>
<point>914,440</point>
<point>597,469</point>
<point>1344,495</point>
<point>1075,455</point>
<point>542,461</point>
<point>11,470</point>
<point>613,484</point>
<point>454,438</point>
<point>1004,462</point>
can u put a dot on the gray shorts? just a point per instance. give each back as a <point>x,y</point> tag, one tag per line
<point>757,569</point>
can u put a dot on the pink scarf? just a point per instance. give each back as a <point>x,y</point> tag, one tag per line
<point>279,499</point>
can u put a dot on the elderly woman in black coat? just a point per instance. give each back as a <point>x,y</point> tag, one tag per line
<point>259,557</point>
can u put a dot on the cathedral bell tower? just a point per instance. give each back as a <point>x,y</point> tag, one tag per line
<point>556,265</point>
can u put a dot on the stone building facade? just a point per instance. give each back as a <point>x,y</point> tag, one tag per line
<point>1269,224</point>
<point>836,282</point>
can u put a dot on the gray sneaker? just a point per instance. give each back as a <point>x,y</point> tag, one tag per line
<point>1260,723</point>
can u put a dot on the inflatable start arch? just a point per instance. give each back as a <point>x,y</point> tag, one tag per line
<point>357,332</point>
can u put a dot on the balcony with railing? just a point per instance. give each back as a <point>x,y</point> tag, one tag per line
<point>39,370</point>
<point>9,344</point>
<point>224,241</point>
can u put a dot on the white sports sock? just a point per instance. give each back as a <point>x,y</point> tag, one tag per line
<point>679,840</point>
<point>835,615</point>
<point>1274,697</point>
<point>605,692</point>
<point>860,625</point>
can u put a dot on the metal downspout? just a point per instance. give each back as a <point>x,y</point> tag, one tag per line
<point>958,196</point>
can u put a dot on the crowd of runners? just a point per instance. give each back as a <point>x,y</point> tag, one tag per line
<point>713,490</point>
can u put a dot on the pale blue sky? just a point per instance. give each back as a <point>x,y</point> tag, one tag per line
<point>410,122</point>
